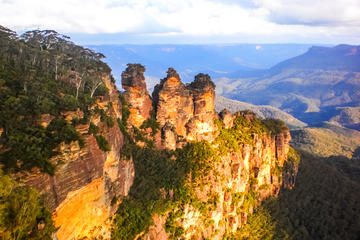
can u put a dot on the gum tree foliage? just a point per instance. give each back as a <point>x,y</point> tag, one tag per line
<point>22,214</point>
<point>42,72</point>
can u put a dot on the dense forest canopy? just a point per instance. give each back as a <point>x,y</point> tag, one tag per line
<point>43,72</point>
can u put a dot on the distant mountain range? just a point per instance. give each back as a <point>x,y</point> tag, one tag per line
<point>188,60</point>
<point>311,86</point>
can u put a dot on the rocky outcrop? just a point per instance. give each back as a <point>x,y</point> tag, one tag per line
<point>227,118</point>
<point>136,94</point>
<point>174,103</point>
<point>201,126</point>
<point>187,108</point>
<point>87,181</point>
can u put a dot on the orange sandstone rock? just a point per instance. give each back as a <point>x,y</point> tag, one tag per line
<point>136,94</point>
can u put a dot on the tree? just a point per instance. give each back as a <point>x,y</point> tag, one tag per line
<point>22,214</point>
<point>94,83</point>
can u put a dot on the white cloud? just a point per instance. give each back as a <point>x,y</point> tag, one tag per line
<point>258,18</point>
<point>313,12</point>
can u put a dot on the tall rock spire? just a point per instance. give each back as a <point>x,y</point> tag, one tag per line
<point>189,109</point>
<point>136,94</point>
<point>201,126</point>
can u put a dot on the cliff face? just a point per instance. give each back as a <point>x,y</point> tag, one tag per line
<point>87,181</point>
<point>228,193</point>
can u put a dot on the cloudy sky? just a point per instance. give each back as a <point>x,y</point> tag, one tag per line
<point>189,21</point>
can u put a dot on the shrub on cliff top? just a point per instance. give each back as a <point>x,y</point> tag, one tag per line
<point>275,126</point>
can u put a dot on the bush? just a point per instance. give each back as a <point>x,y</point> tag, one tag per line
<point>275,126</point>
<point>22,212</point>
<point>93,129</point>
<point>102,143</point>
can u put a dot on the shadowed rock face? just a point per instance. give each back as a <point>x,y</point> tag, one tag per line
<point>133,76</point>
<point>136,94</point>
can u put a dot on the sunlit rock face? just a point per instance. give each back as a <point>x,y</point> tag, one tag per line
<point>201,126</point>
<point>174,102</point>
<point>190,109</point>
<point>136,94</point>
<point>87,181</point>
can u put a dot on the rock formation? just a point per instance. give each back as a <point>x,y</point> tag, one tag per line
<point>239,178</point>
<point>201,126</point>
<point>244,165</point>
<point>136,94</point>
<point>173,102</point>
<point>190,109</point>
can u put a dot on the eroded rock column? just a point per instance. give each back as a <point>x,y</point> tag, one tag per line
<point>201,126</point>
<point>136,94</point>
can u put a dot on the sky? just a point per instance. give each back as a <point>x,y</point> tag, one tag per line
<point>189,21</point>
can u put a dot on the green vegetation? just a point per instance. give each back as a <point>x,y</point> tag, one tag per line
<point>260,225</point>
<point>326,141</point>
<point>151,123</point>
<point>93,129</point>
<point>42,72</point>
<point>22,214</point>
<point>156,175</point>
<point>102,143</point>
<point>244,130</point>
<point>275,126</point>
<point>26,146</point>
<point>104,117</point>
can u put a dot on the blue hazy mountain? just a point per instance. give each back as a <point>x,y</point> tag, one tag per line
<point>188,60</point>
<point>313,87</point>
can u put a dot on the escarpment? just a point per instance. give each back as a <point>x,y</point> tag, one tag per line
<point>88,180</point>
<point>168,167</point>
<point>123,165</point>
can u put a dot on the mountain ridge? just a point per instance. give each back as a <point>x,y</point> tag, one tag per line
<point>310,86</point>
